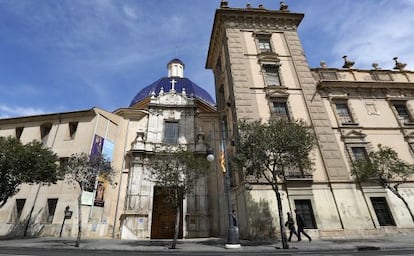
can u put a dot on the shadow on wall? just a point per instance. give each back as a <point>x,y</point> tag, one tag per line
<point>261,223</point>
<point>18,229</point>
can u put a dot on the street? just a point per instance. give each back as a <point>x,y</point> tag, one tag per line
<point>81,252</point>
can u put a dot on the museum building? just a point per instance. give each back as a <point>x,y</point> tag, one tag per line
<point>260,71</point>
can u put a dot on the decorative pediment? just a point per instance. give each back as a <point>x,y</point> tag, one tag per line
<point>269,58</point>
<point>354,136</point>
<point>277,93</point>
<point>172,98</point>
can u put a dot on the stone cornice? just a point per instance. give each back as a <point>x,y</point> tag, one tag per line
<point>47,117</point>
<point>250,18</point>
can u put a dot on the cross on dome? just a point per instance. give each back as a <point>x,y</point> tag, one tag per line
<point>173,82</point>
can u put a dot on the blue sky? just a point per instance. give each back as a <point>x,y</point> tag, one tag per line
<point>68,55</point>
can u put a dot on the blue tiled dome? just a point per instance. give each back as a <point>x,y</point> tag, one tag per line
<point>191,89</point>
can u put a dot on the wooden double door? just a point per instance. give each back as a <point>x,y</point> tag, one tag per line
<point>163,217</point>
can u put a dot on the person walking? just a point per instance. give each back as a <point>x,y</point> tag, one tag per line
<point>301,226</point>
<point>291,226</point>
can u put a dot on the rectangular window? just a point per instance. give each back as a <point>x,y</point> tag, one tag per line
<point>359,153</point>
<point>402,111</point>
<point>221,104</point>
<point>44,131</point>
<point>272,74</point>
<point>63,160</point>
<point>171,132</point>
<point>264,44</point>
<point>343,113</point>
<point>305,208</point>
<point>51,206</point>
<point>382,211</point>
<point>280,110</point>
<point>73,127</point>
<point>19,131</point>
<point>18,209</point>
<point>411,145</point>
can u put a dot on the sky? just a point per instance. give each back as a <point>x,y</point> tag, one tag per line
<point>70,55</point>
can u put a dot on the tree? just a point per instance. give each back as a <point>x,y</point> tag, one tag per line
<point>176,172</point>
<point>267,151</point>
<point>385,166</point>
<point>84,170</point>
<point>25,163</point>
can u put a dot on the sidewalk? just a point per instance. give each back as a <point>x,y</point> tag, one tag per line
<point>214,244</point>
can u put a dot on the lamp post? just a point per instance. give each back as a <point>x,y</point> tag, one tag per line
<point>232,239</point>
<point>68,215</point>
<point>232,232</point>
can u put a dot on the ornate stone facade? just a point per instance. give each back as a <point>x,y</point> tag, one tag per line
<point>348,109</point>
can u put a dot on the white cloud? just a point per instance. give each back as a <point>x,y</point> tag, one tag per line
<point>15,111</point>
<point>367,31</point>
<point>130,12</point>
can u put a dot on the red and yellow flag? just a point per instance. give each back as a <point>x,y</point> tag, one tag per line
<point>222,162</point>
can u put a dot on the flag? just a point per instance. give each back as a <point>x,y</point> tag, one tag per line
<point>223,162</point>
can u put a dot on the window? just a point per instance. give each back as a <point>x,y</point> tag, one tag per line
<point>305,208</point>
<point>19,131</point>
<point>271,73</point>
<point>221,98</point>
<point>171,132</point>
<point>382,211</point>
<point>218,67</point>
<point>402,111</point>
<point>63,160</point>
<point>73,126</point>
<point>280,110</point>
<point>264,44</point>
<point>411,145</point>
<point>44,131</point>
<point>51,208</point>
<point>18,209</point>
<point>343,113</point>
<point>359,153</point>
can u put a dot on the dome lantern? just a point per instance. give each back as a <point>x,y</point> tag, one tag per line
<point>175,68</point>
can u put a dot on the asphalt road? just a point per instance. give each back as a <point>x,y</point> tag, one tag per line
<point>80,252</point>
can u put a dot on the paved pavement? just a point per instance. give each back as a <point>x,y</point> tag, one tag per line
<point>215,244</point>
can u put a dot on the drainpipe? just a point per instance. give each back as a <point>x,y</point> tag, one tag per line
<point>120,183</point>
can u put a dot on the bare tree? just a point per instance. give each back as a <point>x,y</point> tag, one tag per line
<point>84,170</point>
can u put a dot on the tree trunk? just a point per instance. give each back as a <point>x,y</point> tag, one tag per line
<point>285,244</point>
<point>78,238</point>
<point>397,193</point>
<point>177,227</point>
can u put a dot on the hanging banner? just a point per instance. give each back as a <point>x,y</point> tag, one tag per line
<point>108,150</point>
<point>97,145</point>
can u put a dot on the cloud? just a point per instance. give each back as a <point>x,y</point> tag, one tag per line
<point>366,31</point>
<point>15,111</point>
